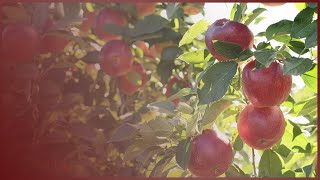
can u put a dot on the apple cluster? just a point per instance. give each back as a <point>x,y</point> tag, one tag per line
<point>261,123</point>
<point>40,40</point>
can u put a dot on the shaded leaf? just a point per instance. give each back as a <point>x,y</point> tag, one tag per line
<point>265,57</point>
<point>297,66</point>
<point>270,164</point>
<point>302,20</point>
<point>171,9</point>
<point>216,80</point>
<point>149,24</point>
<point>280,28</point>
<point>183,152</point>
<point>124,132</point>
<point>214,110</point>
<point>166,107</point>
<point>310,78</point>
<point>312,40</point>
<point>238,144</point>
<point>298,47</point>
<point>227,49</point>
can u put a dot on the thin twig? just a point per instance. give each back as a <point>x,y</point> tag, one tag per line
<point>253,163</point>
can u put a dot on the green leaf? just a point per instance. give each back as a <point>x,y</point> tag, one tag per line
<point>283,38</point>
<point>166,107</point>
<point>308,169</point>
<point>302,20</point>
<point>134,150</point>
<point>149,24</point>
<point>166,65</point>
<point>239,12</point>
<point>280,28</point>
<point>297,66</point>
<point>310,78</point>
<point>183,153</point>
<point>158,169</point>
<point>235,171</point>
<point>181,93</point>
<point>312,5</point>
<point>253,15</point>
<point>283,150</point>
<point>214,110</point>
<point>292,137</point>
<point>216,80</point>
<point>124,132</point>
<point>171,9</point>
<point>289,173</point>
<point>306,107</point>
<point>227,49</point>
<point>298,47</point>
<point>238,144</point>
<point>265,57</point>
<point>184,108</point>
<point>308,30</point>
<point>194,57</point>
<point>244,55</point>
<point>270,164</point>
<point>264,45</point>
<point>312,40</point>
<point>194,31</point>
<point>148,135</point>
<point>161,127</point>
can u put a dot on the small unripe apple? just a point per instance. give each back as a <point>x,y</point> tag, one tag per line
<point>273,4</point>
<point>129,87</point>
<point>145,9</point>
<point>190,9</point>
<point>116,58</point>
<point>20,42</point>
<point>109,16</point>
<point>228,31</point>
<point>89,22</point>
<point>211,154</point>
<point>261,128</point>
<point>267,86</point>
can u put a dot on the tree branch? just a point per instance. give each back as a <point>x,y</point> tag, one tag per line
<point>254,164</point>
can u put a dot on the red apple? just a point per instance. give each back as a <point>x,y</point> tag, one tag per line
<point>145,9</point>
<point>228,31</point>
<point>169,87</point>
<point>267,86</point>
<point>89,22</point>
<point>190,9</point>
<point>148,52</point>
<point>116,58</point>
<point>20,42</point>
<point>261,128</point>
<point>128,86</point>
<point>109,16</point>
<point>211,154</point>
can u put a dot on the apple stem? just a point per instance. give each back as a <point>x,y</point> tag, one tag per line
<point>254,164</point>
